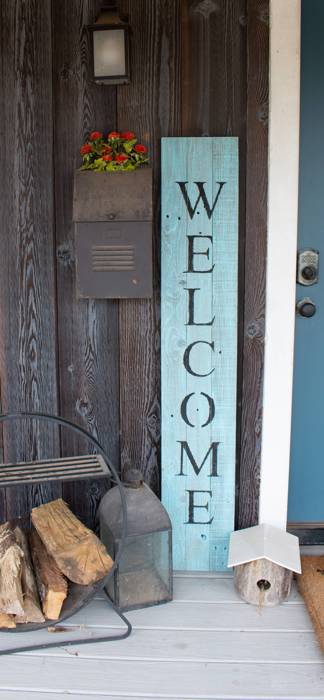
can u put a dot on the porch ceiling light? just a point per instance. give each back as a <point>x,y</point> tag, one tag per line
<point>110,41</point>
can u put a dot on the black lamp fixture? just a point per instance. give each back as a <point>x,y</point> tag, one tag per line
<point>110,40</point>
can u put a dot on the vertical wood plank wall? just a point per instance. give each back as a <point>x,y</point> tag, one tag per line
<point>150,105</point>
<point>255,260</point>
<point>199,67</point>
<point>27,274</point>
<point>88,338</point>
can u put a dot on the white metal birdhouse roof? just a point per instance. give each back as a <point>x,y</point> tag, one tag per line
<point>265,542</point>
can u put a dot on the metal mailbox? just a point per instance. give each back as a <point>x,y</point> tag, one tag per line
<point>113,234</point>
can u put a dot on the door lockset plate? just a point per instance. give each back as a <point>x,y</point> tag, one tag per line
<point>307,266</point>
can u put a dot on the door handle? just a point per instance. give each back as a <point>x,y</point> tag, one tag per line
<point>305,308</point>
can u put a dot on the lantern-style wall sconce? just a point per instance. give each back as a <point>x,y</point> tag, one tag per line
<point>144,574</point>
<point>110,40</point>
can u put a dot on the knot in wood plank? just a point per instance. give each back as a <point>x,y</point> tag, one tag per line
<point>65,254</point>
<point>263,114</point>
<point>206,8</point>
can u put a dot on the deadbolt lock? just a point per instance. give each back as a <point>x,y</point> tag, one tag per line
<point>307,267</point>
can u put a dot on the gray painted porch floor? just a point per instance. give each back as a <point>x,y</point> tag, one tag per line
<point>206,644</point>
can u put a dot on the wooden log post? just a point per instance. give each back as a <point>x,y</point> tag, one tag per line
<point>262,582</point>
<point>77,551</point>
<point>32,609</point>
<point>52,585</point>
<point>7,621</point>
<point>11,555</point>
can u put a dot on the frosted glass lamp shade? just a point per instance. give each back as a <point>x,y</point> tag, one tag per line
<point>109,53</point>
<point>110,39</point>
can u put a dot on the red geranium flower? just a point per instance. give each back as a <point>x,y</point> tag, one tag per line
<point>114,135</point>
<point>121,158</point>
<point>139,148</point>
<point>95,135</point>
<point>107,149</point>
<point>128,135</point>
<point>85,149</point>
<point>107,158</point>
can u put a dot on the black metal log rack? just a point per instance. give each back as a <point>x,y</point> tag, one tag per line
<point>66,469</point>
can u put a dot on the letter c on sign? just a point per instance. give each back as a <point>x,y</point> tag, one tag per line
<point>186,358</point>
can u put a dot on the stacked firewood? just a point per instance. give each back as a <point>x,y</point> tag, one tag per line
<point>37,566</point>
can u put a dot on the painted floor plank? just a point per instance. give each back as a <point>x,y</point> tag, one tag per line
<point>220,590</point>
<point>205,645</point>
<point>50,695</point>
<point>197,615</point>
<point>164,679</point>
<point>99,619</point>
<point>215,590</point>
<point>211,647</point>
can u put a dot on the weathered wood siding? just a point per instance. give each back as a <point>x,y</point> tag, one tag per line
<point>199,67</point>
<point>27,272</point>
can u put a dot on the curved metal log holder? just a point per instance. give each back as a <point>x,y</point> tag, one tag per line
<point>65,469</point>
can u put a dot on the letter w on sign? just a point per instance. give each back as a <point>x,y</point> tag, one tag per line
<point>199,345</point>
<point>201,196</point>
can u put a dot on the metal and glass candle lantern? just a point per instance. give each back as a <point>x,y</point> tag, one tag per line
<point>144,574</point>
<point>110,37</point>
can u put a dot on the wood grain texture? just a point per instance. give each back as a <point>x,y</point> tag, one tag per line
<point>11,557</point>
<point>87,330</point>
<point>213,68</point>
<point>199,491</point>
<point>52,585</point>
<point>255,261</point>
<point>214,41</point>
<point>149,105</point>
<point>77,551</point>
<point>248,578</point>
<point>97,362</point>
<point>31,604</point>
<point>28,354</point>
<point>231,98</point>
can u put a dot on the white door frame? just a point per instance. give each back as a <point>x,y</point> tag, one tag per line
<point>283,167</point>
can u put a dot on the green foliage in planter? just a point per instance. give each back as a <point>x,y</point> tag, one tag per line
<point>114,153</point>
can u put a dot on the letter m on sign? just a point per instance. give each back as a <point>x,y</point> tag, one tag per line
<point>199,260</point>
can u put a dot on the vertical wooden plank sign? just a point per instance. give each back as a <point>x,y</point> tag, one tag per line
<point>199,345</point>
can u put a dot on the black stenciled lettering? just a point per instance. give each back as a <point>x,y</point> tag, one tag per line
<point>211,409</point>
<point>192,253</point>
<point>201,196</point>
<point>191,309</point>
<point>192,506</point>
<point>185,449</point>
<point>186,358</point>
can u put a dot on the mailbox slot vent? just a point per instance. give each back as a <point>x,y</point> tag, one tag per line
<point>113,215</point>
<point>108,258</point>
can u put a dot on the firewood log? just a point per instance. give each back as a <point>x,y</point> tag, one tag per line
<point>31,605</point>
<point>7,621</point>
<point>52,585</point>
<point>78,553</point>
<point>11,555</point>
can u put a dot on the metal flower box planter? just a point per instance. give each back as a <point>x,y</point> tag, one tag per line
<point>113,234</point>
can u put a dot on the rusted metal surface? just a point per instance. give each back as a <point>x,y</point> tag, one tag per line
<point>113,196</point>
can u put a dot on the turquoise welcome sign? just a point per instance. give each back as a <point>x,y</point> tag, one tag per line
<point>199,345</point>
